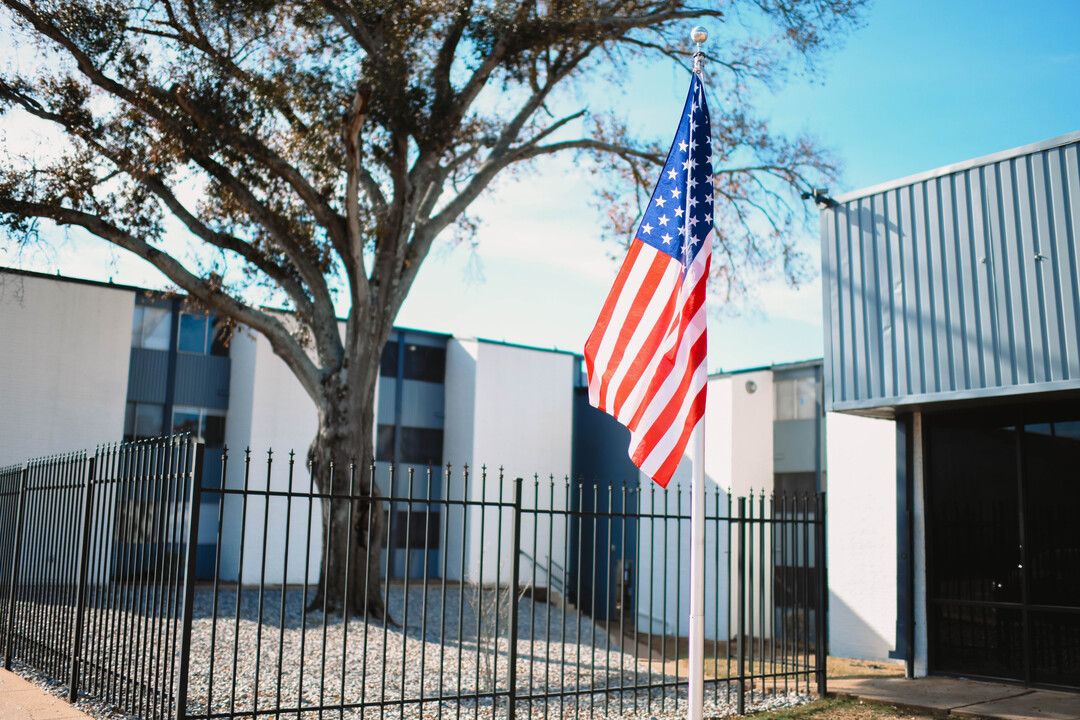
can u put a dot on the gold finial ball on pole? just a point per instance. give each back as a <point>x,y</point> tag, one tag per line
<point>699,34</point>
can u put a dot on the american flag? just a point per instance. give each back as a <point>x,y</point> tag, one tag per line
<point>646,356</point>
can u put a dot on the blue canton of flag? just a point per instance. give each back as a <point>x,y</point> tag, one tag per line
<point>684,192</point>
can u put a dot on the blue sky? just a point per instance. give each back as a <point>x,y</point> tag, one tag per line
<point>922,84</point>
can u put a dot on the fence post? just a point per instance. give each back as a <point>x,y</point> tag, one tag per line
<point>80,596</point>
<point>821,623</point>
<point>515,563</point>
<point>190,556</point>
<point>741,612</point>
<point>16,555</point>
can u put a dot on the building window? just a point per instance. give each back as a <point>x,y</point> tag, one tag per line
<point>797,399</point>
<point>144,420</point>
<point>388,361</point>
<point>423,362</point>
<point>419,446</point>
<point>204,424</point>
<point>384,443</point>
<point>417,530</point>
<point>795,484</point>
<point>151,328</point>
<point>422,446</point>
<point>201,335</point>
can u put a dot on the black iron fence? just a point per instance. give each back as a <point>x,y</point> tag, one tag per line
<point>505,597</point>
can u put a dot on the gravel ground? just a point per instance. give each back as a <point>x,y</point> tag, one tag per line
<point>375,663</point>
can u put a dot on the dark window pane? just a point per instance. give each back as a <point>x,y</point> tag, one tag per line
<point>214,432</point>
<point>129,421</point>
<point>425,363</point>
<point>388,362</point>
<point>414,527</point>
<point>384,443</point>
<point>978,640</point>
<point>422,446</point>
<point>1056,637</point>
<point>1051,500</point>
<point>192,333</point>
<point>794,483</point>
<point>971,514</point>
<point>219,338</point>
<point>186,421</point>
<point>149,421</point>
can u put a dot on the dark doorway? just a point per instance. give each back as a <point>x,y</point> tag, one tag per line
<point>1003,540</point>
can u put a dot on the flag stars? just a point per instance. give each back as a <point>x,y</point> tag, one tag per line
<point>666,238</point>
<point>682,148</point>
<point>646,228</point>
<point>675,192</point>
<point>673,173</point>
<point>678,212</point>
<point>663,220</point>
<point>660,201</point>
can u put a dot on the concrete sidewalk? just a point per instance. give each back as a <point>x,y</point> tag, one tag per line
<point>963,698</point>
<point>23,700</point>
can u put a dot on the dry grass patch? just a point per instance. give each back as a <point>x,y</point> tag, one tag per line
<point>846,709</point>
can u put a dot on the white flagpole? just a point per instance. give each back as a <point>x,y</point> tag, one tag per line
<point>696,690</point>
<point>696,680</point>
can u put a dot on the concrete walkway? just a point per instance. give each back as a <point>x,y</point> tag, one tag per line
<point>963,698</point>
<point>22,700</point>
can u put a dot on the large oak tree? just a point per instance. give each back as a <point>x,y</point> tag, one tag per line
<point>332,142</point>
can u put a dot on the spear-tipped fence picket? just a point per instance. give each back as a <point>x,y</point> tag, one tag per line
<point>506,598</point>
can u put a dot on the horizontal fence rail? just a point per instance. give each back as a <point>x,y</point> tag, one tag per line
<point>504,597</point>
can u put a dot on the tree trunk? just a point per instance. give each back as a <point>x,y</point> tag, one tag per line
<point>354,527</point>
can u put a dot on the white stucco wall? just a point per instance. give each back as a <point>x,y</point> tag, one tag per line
<point>861,536</point>
<point>752,433</point>
<point>460,412</point>
<point>507,407</point>
<point>268,409</point>
<point>718,431</point>
<point>64,358</point>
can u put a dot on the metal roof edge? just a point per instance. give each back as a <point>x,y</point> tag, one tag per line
<point>76,280</point>
<point>793,365</point>
<point>519,346</point>
<point>1059,141</point>
<point>908,402</point>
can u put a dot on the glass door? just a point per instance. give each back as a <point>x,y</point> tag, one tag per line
<point>1003,546</point>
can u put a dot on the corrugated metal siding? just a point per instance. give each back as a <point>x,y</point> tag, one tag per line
<point>959,284</point>
<point>148,376</point>
<point>202,381</point>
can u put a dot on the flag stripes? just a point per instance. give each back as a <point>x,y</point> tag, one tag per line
<point>645,357</point>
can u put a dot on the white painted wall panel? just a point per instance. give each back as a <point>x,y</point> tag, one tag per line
<point>861,536</point>
<point>461,356</point>
<point>269,409</point>
<point>508,407</point>
<point>752,433</point>
<point>523,423</point>
<point>63,365</point>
